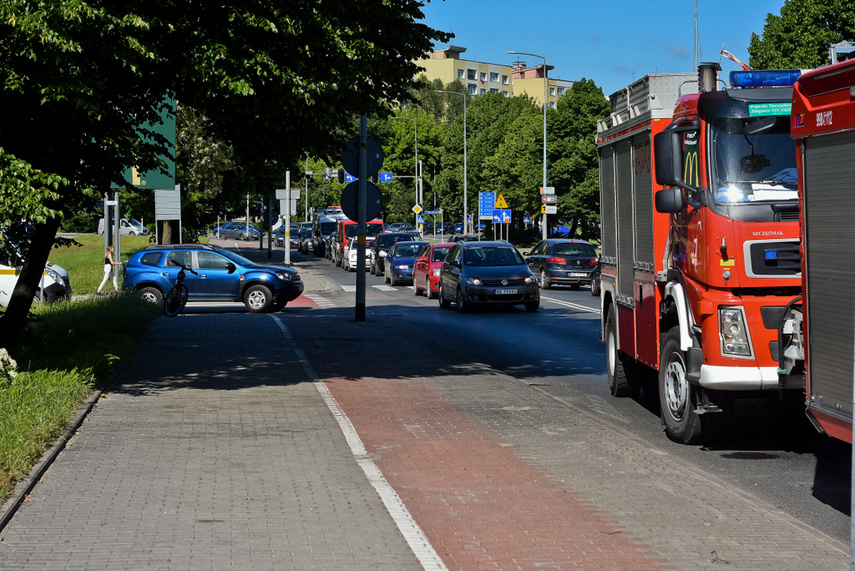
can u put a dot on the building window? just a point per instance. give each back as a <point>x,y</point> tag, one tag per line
<point>552,104</point>
<point>483,76</point>
<point>461,74</point>
<point>494,77</point>
<point>473,89</point>
<point>561,91</point>
<point>471,74</point>
<point>552,92</point>
<point>494,90</point>
<point>505,93</point>
<point>482,91</point>
<point>504,80</point>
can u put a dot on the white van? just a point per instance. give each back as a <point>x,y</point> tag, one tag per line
<point>127,227</point>
<point>55,283</point>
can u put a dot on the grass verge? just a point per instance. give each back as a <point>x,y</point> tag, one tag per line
<point>66,350</point>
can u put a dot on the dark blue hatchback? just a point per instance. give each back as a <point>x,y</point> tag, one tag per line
<point>222,275</point>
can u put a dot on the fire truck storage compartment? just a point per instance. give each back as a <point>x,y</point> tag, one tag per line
<point>829,181</point>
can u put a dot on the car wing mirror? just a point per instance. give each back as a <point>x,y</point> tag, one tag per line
<point>231,267</point>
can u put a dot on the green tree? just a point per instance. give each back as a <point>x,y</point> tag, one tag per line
<point>800,36</point>
<point>573,160</point>
<point>273,79</point>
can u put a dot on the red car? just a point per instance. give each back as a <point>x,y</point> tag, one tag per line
<point>426,269</point>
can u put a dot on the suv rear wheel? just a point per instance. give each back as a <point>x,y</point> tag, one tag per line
<point>151,295</point>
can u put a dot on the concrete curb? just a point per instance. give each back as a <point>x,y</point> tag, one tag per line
<point>25,485</point>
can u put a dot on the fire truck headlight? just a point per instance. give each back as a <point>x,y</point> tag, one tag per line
<point>734,336</point>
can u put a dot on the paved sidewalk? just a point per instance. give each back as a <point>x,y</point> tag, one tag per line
<point>281,441</point>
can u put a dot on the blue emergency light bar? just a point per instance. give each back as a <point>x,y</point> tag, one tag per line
<point>764,77</point>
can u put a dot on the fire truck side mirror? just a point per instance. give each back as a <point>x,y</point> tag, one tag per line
<point>668,155</point>
<point>669,200</point>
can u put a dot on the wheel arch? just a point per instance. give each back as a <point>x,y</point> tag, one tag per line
<point>675,311</point>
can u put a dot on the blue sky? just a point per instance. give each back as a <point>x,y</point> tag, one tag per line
<point>612,42</point>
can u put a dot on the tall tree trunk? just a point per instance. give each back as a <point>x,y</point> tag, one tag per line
<point>15,319</point>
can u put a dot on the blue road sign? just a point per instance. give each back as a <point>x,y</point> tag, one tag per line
<point>420,219</point>
<point>349,178</point>
<point>385,177</point>
<point>486,201</point>
<point>502,216</point>
<point>434,212</point>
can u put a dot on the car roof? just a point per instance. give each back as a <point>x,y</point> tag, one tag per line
<point>567,241</point>
<point>473,244</point>
<point>183,247</point>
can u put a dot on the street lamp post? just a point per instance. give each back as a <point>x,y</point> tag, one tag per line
<point>307,187</point>
<point>465,194</point>
<point>416,133</point>
<point>545,98</point>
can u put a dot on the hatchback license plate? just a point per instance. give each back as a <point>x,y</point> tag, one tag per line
<point>506,292</point>
<point>578,274</point>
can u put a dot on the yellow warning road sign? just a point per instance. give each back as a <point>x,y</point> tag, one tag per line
<point>500,203</point>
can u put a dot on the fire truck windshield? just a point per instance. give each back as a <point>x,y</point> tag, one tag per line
<point>752,166</point>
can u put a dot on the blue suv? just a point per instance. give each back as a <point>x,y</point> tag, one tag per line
<point>222,275</point>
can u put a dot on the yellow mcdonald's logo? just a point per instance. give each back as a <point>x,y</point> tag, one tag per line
<point>691,172</point>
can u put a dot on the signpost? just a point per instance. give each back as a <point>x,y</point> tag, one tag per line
<point>287,208</point>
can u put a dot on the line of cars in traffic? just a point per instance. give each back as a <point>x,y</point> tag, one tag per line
<point>466,273</point>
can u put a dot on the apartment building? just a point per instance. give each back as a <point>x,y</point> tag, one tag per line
<point>480,77</point>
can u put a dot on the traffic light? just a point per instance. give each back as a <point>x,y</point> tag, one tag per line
<point>340,174</point>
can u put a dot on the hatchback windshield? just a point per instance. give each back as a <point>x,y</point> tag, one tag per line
<point>491,256</point>
<point>439,253</point>
<point>408,250</point>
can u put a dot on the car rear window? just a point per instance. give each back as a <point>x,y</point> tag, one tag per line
<point>574,250</point>
<point>151,258</point>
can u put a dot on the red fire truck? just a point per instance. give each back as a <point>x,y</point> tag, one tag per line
<point>700,241</point>
<point>819,337</point>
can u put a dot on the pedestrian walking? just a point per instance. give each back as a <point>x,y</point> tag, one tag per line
<point>108,270</point>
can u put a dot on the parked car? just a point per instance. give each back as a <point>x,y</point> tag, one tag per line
<point>398,265</point>
<point>486,273</point>
<point>127,227</point>
<point>221,276</point>
<point>351,255</point>
<point>426,269</point>
<point>380,248</point>
<point>399,227</point>
<point>279,235</point>
<point>239,231</point>
<point>54,285</point>
<point>561,261</point>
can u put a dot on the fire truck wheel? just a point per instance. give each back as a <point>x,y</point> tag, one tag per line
<point>620,366</point>
<point>676,394</point>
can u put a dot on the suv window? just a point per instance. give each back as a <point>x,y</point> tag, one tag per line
<point>151,258</point>
<point>182,257</point>
<point>211,261</point>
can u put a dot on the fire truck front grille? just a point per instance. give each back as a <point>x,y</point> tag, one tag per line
<point>774,259</point>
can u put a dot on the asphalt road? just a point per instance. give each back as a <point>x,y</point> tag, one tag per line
<point>771,450</point>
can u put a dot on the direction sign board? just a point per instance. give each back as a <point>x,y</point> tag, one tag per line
<point>349,178</point>
<point>547,190</point>
<point>551,208</point>
<point>385,177</point>
<point>434,212</point>
<point>486,204</point>
<point>502,216</point>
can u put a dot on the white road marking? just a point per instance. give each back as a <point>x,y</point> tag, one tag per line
<point>571,305</point>
<point>413,534</point>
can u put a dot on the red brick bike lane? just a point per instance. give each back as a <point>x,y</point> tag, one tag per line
<point>481,502</point>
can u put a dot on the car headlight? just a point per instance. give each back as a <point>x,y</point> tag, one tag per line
<point>402,267</point>
<point>734,334</point>
<point>382,254</point>
<point>54,275</point>
<point>530,280</point>
<point>435,272</point>
<point>287,276</point>
<point>473,281</point>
